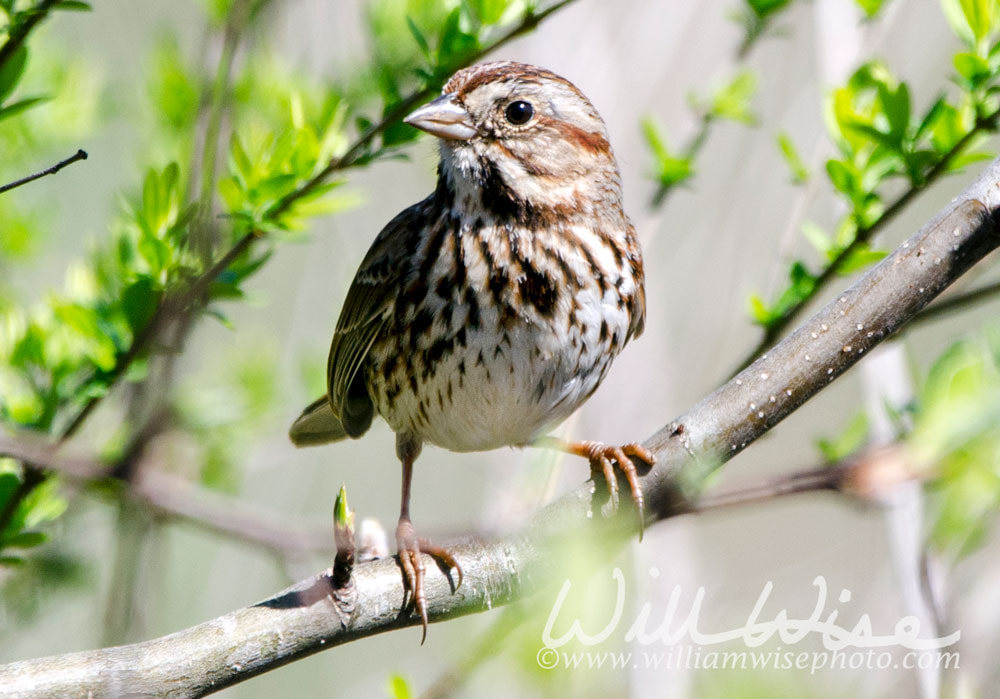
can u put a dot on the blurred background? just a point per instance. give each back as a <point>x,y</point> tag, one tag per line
<point>695,96</point>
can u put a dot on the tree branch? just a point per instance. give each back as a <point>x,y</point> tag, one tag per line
<point>79,155</point>
<point>863,476</point>
<point>302,619</point>
<point>173,498</point>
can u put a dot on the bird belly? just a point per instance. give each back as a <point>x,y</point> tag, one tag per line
<point>511,379</point>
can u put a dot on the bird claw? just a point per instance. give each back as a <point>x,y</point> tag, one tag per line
<point>410,560</point>
<point>603,459</point>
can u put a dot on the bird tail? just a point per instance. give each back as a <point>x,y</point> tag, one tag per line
<point>317,424</point>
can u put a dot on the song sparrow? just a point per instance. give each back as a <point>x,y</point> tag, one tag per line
<point>488,312</point>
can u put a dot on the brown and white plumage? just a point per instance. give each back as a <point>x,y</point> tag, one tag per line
<point>488,312</point>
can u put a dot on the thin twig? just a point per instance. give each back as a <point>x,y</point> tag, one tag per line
<point>178,500</point>
<point>173,498</point>
<point>955,303</point>
<point>79,155</point>
<point>203,234</point>
<point>698,138</point>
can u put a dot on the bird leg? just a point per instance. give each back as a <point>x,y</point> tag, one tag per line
<point>410,547</point>
<point>603,459</point>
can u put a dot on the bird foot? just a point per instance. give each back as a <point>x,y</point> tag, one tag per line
<point>412,563</point>
<point>603,460</point>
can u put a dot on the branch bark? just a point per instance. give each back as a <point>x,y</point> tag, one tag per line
<point>171,497</point>
<point>302,620</point>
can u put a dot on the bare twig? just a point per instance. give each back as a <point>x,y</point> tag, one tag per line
<point>79,155</point>
<point>301,621</point>
<point>173,498</point>
<point>955,303</point>
<point>755,31</point>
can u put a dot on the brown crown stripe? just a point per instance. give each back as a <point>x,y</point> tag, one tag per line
<point>470,78</point>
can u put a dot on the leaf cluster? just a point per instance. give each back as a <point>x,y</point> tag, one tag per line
<point>882,139</point>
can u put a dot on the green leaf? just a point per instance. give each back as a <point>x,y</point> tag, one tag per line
<point>241,163</point>
<point>801,284</point>
<point>652,134</point>
<point>669,169</point>
<point>962,160</point>
<point>817,237</point>
<point>9,483</point>
<point>956,20</point>
<point>870,7</point>
<point>487,11</point>
<point>854,436</point>
<point>934,113</point>
<point>859,259</point>
<point>15,108</point>
<point>759,311</point>
<point>11,72</point>
<point>74,5</point>
<point>232,194</point>
<point>956,431</point>
<point>843,177</point>
<point>455,45</point>
<point>155,252</point>
<point>979,16</point>
<point>421,40</point>
<point>896,104</point>
<point>763,8</point>
<point>800,173</point>
<point>973,69</point>
<point>732,100</point>
<point>139,301</point>
<point>399,688</point>
<point>174,87</point>
<point>25,540</point>
<point>343,518</point>
<point>950,127</point>
<point>44,504</point>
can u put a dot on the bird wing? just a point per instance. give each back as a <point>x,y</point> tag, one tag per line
<point>638,301</point>
<point>369,305</point>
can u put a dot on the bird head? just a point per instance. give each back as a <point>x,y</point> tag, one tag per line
<point>526,126</point>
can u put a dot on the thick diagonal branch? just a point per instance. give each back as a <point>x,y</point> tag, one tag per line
<point>301,620</point>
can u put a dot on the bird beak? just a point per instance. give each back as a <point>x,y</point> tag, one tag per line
<point>444,118</point>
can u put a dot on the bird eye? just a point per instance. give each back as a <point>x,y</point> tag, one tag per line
<point>519,112</point>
